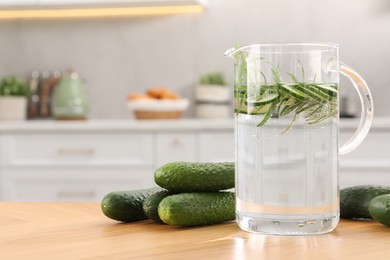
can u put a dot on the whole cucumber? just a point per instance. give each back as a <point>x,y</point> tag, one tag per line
<point>179,177</point>
<point>150,205</point>
<point>355,200</point>
<point>197,209</point>
<point>379,209</point>
<point>126,206</point>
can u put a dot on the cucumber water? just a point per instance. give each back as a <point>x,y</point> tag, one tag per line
<point>286,148</point>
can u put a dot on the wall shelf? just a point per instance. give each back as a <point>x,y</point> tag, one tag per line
<point>51,9</point>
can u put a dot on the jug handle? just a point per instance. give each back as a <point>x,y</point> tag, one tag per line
<point>367,109</point>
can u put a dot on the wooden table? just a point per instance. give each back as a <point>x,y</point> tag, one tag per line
<point>80,231</point>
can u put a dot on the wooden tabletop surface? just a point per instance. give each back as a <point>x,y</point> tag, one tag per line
<point>43,230</point>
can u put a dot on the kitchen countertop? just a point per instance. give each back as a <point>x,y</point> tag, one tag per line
<point>379,124</point>
<point>118,125</point>
<point>45,230</point>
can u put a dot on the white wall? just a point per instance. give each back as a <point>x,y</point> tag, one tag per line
<point>117,56</point>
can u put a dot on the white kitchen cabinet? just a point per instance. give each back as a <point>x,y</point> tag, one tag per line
<point>202,146</point>
<point>176,147</point>
<point>83,161</point>
<point>51,148</point>
<point>74,166</point>
<point>216,146</point>
<point>45,184</point>
<point>369,164</point>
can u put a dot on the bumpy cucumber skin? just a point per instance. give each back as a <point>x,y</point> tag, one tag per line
<point>197,209</point>
<point>126,206</point>
<point>379,209</point>
<point>179,177</point>
<point>150,205</point>
<point>354,201</point>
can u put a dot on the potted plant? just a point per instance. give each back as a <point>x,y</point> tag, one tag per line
<point>213,96</point>
<point>13,98</point>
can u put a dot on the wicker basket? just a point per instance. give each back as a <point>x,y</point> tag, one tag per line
<point>158,109</point>
<point>158,114</point>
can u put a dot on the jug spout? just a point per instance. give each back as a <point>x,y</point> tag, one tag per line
<point>237,53</point>
<point>230,53</point>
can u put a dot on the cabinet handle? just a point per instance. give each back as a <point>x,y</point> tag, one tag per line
<point>175,142</point>
<point>75,151</point>
<point>76,194</point>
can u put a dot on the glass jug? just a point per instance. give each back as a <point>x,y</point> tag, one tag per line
<point>286,103</point>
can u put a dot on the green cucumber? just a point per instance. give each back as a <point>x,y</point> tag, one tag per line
<point>327,88</point>
<point>263,101</point>
<point>179,177</point>
<point>249,110</point>
<point>126,206</point>
<point>379,209</point>
<point>291,90</point>
<point>261,110</point>
<point>314,93</point>
<point>197,209</point>
<point>150,205</point>
<point>354,201</point>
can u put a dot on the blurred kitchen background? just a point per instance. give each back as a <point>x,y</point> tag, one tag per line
<point>100,63</point>
<point>119,55</point>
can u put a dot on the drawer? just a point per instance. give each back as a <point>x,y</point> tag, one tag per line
<point>176,147</point>
<point>368,164</point>
<point>364,177</point>
<point>77,149</point>
<point>44,185</point>
<point>216,147</point>
<point>375,146</point>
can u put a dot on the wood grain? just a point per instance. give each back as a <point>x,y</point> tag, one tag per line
<point>39,230</point>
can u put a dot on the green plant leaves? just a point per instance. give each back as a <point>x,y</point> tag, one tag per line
<point>12,86</point>
<point>214,78</point>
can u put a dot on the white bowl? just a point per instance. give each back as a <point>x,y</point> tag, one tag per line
<point>213,93</point>
<point>158,104</point>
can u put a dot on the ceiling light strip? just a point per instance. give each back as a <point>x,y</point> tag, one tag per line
<point>99,12</point>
